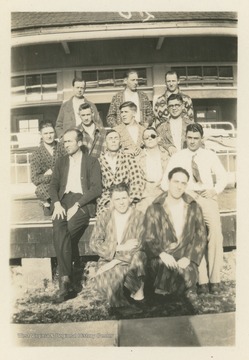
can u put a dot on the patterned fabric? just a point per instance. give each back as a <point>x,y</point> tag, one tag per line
<point>127,171</point>
<point>161,110</point>
<point>66,117</point>
<point>146,111</point>
<point>159,236</point>
<point>151,189</point>
<point>166,136</point>
<point>41,161</point>
<point>131,270</point>
<point>97,145</point>
<point>127,143</point>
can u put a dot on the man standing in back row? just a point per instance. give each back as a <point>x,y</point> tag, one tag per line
<point>161,109</point>
<point>69,112</point>
<point>144,115</point>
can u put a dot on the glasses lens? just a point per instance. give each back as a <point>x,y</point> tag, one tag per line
<point>152,136</point>
<point>174,106</point>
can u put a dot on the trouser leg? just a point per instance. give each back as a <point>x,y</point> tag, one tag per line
<point>214,256</point>
<point>68,233</point>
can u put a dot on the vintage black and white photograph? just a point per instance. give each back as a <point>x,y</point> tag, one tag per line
<point>126,122</point>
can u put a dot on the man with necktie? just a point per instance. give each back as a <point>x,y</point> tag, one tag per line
<point>203,165</point>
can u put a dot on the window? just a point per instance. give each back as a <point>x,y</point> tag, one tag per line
<point>205,75</point>
<point>110,78</point>
<point>34,87</point>
<point>31,126</point>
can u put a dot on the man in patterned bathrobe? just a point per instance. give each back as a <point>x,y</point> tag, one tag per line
<point>116,238</point>
<point>42,164</point>
<point>117,167</point>
<point>175,238</point>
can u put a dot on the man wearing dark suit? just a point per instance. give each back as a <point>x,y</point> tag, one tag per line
<point>68,116</point>
<point>75,185</point>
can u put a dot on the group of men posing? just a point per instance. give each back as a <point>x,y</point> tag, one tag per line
<point>153,183</point>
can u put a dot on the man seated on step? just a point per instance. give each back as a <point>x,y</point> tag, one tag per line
<point>116,238</point>
<point>203,165</point>
<point>175,238</point>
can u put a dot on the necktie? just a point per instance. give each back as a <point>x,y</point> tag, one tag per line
<point>195,170</point>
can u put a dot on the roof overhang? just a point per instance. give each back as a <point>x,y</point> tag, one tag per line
<point>45,35</point>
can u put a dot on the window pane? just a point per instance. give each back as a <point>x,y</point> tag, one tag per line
<point>181,71</point>
<point>210,72</point>
<point>194,73</point>
<point>119,76</point>
<point>18,88</point>
<point>33,87</point>
<point>91,78</point>
<point>106,78</point>
<point>49,86</point>
<point>226,72</point>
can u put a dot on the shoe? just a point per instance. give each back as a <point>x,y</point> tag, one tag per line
<point>214,288</point>
<point>71,294</point>
<point>203,289</point>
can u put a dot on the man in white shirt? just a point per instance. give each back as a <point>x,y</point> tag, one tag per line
<point>172,131</point>
<point>68,116</point>
<point>74,187</point>
<point>202,164</point>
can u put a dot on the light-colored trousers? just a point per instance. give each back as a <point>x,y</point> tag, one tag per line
<point>211,264</point>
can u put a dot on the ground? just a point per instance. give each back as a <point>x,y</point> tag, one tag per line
<point>35,305</point>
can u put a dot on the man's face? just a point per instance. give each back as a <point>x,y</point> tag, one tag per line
<point>121,201</point>
<point>132,81</point>
<point>70,142</point>
<point>177,185</point>
<point>194,140</point>
<point>171,82</point>
<point>113,141</point>
<point>79,89</point>
<point>175,108</point>
<point>48,135</point>
<point>127,115</point>
<point>150,138</point>
<point>86,116</point>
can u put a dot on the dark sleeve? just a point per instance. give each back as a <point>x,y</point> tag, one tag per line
<point>59,122</point>
<point>150,238</point>
<point>37,171</point>
<point>55,181</point>
<point>94,182</point>
<point>112,113</point>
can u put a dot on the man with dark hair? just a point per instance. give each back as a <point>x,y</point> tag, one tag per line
<point>161,108</point>
<point>203,165</point>
<point>42,164</point>
<point>129,130</point>
<point>93,134</point>
<point>152,160</point>
<point>116,238</point>
<point>173,130</point>
<point>144,114</point>
<point>117,166</point>
<point>68,116</point>
<point>75,185</point>
<point>175,238</point>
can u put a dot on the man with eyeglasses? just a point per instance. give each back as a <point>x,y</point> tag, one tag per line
<point>152,160</point>
<point>172,131</point>
<point>161,109</point>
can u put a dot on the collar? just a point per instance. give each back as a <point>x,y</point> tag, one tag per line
<point>161,198</point>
